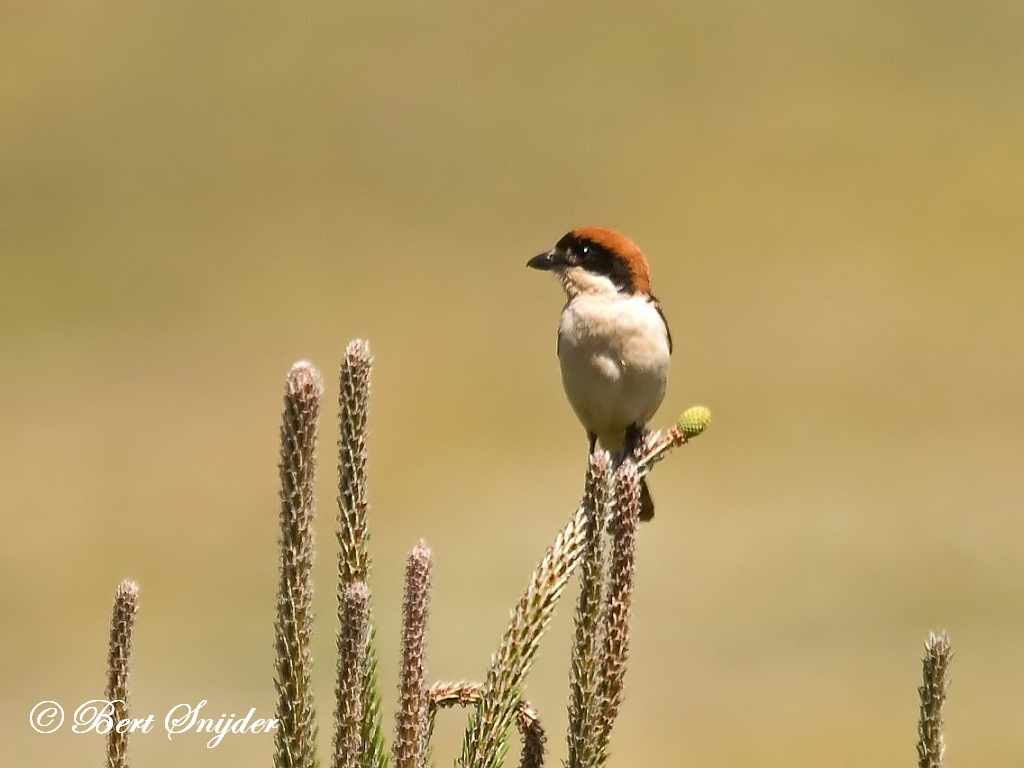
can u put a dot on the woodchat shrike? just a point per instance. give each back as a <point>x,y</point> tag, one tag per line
<point>613,341</point>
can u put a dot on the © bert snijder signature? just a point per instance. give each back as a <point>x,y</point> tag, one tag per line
<point>97,716</point>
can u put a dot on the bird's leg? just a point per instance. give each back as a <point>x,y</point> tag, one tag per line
<point>634,441</point>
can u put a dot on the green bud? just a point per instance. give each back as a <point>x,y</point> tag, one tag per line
<point>694,420</point>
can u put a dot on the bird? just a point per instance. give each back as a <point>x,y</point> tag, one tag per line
<point>613,342</point>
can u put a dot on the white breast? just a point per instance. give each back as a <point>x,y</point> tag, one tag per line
<point>614,355</point>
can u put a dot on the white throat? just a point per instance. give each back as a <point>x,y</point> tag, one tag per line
<point>577,281</point>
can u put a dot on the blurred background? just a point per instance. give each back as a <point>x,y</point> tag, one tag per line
<point>195,195</point>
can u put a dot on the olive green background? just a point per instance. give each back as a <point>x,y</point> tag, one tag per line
<point>831,195</point>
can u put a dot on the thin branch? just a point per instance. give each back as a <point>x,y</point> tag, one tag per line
<point>486,738</point>
<point>442,695</point>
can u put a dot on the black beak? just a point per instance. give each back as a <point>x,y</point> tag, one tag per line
<point>548,261</point>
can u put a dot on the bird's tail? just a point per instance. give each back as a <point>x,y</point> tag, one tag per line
<point>646,502</point>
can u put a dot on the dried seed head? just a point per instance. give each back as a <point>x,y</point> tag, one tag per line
<point>353,636</point>
<point>118,663</point>
<point>295,739</point>
<point>411,717</point>
<point>931,746</point>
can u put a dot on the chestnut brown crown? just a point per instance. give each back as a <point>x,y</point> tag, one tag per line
<point>600,251</point>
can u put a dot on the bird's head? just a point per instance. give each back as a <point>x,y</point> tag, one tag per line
<point>596,260</point>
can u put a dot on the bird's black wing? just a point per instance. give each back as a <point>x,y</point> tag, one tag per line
<point>661,313</point>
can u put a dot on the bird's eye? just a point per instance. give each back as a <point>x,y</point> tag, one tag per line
<point>586,250</point>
